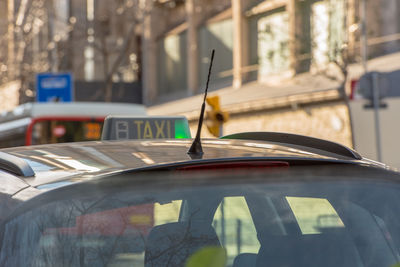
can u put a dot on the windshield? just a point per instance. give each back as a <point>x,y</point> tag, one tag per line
<point>65,130</point>
<point>166,221</point>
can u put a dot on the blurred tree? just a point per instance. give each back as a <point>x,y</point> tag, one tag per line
<point>47,36</point>
<point>115,38</point>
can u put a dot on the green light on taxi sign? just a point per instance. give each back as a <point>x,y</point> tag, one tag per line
<point>126,128</point>
<point>182,129</point>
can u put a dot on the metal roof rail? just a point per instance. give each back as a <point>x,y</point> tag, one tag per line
<point>295,139</point>
<point>15,165</point>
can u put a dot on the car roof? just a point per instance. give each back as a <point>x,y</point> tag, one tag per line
<point>30,171</point>
<point>58,162</point>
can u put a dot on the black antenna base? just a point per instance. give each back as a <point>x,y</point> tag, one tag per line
<point>196,150</point>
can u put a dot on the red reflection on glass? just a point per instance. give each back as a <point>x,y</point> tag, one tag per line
<point>114,222</point>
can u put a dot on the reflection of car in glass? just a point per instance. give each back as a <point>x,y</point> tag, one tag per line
<point>265,198</point>
<point>267,218</point>
<point>45,123</point>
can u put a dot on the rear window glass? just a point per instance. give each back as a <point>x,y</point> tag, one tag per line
<point>165,224</point>
<point>62,131</point>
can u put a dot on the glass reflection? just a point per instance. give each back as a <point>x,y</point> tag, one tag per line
<point>288,224</point>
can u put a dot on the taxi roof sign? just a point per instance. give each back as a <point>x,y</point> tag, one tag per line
<point>128,127</point>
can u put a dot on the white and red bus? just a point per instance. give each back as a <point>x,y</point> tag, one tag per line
<point>59,122</point>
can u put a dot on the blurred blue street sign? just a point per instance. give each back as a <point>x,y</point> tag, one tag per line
<point>53,87</point>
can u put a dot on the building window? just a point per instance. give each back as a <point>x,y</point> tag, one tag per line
<point>218,36</point>
<point>269,43</point>
<point>89,63</point>
<point>172,67</point>
<point>328,32</point>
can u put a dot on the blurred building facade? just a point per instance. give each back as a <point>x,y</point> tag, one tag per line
<point>287,57</point>
<point>257,40</point>
<point>280,65</point>
<point>170,40</point>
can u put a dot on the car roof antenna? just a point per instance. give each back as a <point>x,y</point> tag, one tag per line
<point>195,150</point>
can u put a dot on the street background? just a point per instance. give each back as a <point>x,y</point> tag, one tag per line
<point>280,65</point>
